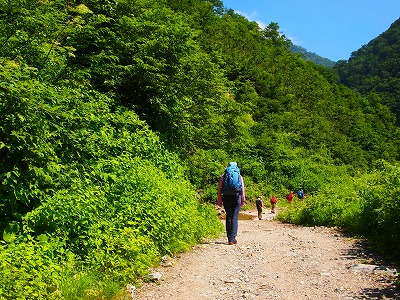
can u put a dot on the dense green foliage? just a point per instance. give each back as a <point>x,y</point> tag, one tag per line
<point>366,204</point>
<point>311,56</point>
<point>375,68</point>
<point>117,119</point>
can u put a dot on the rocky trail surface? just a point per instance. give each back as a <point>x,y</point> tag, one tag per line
<point>273,261</point>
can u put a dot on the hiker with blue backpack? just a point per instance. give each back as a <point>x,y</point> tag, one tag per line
<point>300,194</point>
<point>231,194</point>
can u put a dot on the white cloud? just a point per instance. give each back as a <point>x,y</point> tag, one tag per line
<point>262,25</point>
<point>294,39</point>
<point>252,17</point>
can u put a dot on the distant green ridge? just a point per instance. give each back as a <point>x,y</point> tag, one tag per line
<point>311,56</point>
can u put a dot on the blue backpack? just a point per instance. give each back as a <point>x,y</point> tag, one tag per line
<point>300,194</point>
<point>232,183</point>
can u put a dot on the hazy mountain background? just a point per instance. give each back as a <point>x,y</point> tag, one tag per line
<point>311,56</point>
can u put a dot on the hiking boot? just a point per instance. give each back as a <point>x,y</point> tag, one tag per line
<point>234,242</point>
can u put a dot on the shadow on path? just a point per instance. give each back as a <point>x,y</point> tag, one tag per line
<point>384,270</point>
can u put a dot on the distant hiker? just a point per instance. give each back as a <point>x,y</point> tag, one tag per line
<point>231,194</point>
<point>273,203</point>
<point>259,205</point>
<point>289,197</point>
<point>300,194</point>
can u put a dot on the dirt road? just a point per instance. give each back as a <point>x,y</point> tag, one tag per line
<point>273,261</point>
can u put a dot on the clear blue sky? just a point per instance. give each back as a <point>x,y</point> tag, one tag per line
<point>330,28</point>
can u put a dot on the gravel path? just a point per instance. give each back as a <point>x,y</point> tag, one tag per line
<point>272,261</point>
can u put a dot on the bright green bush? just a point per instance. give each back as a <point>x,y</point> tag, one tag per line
<point>381,207</point>
<point>29,270</point>
<point>367,204</point>
<point>123,222</point>
<point>117,221</point>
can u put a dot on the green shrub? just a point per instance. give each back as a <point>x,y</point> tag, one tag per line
<point>381,207</point>
<point>122,224</point>
<point>30,270</point>
<point>367,204</point>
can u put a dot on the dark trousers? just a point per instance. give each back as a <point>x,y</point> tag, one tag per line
<point>232,208</point>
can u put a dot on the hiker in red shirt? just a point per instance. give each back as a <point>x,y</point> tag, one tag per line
<point>289,197</point>
<point>273,203</point>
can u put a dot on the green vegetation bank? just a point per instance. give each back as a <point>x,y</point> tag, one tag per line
<point>118,117</point>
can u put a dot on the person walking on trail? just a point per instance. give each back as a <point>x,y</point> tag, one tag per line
<point>289,197</point>
<point>273,203</point>
<point>300,194</point>
<point>232,196</point>
<point>259,205</point>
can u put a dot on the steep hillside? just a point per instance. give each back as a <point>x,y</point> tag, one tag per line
<point>375,67</point>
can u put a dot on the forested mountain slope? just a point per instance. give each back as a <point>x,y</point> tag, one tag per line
<point>311,56</point>
<point>118,117</point>
<point>375,68</point>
